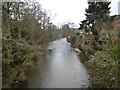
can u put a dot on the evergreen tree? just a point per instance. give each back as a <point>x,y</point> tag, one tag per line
<point>96,13</point>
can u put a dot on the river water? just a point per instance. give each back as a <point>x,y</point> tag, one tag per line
<point>62,69</point>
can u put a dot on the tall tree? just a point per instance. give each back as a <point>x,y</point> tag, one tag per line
<point>96,13</point>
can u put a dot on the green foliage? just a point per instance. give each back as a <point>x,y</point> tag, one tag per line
<point>101,56</point>
<point>103,70</point>
<point>15,32</point>
<point>102,60</point>
<point>115,52</point>
<point>73,40</point>
<point>13,75</point>
<point>96,14</point>
<point>5,65</point>
<point>22,37</point>
<point>32,56</point>
<point>19,50</point>
<point>25,34</point>
<point>22,76</point>
<point>88,50</point>
<point>17,75</point>
<point>4,48</point>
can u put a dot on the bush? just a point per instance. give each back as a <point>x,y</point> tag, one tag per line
<point>73,40</point>
<point>5,66</point>
<point>14,55</point>
<point>103,70</point>
<point>88,50</point>
<point>115,52</point>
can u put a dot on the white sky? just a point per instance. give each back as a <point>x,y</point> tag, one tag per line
<point>71,10</point>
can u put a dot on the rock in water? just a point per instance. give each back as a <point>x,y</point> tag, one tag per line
<point>77,50</point>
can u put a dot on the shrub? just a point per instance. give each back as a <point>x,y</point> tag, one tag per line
<point>88,50</point>
<point>73,40</point>
<point>5,66</point>
<point>115,52</point>
<point>103,70</point>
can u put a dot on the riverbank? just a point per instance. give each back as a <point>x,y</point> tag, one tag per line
<point>15,73</point>
<point>103,69</point>
<point>102,64</point>
<point>35,68</point>
<point>61,69</point>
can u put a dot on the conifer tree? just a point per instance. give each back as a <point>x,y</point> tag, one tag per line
<point>96,13</point>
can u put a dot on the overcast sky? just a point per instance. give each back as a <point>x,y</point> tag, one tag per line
<point>71,10</point>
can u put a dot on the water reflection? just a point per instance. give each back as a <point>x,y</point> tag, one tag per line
<point>62,69</point>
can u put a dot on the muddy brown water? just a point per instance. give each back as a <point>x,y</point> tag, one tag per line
<point>62,69</point>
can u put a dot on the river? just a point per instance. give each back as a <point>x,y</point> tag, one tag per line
<point>62,69</point>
